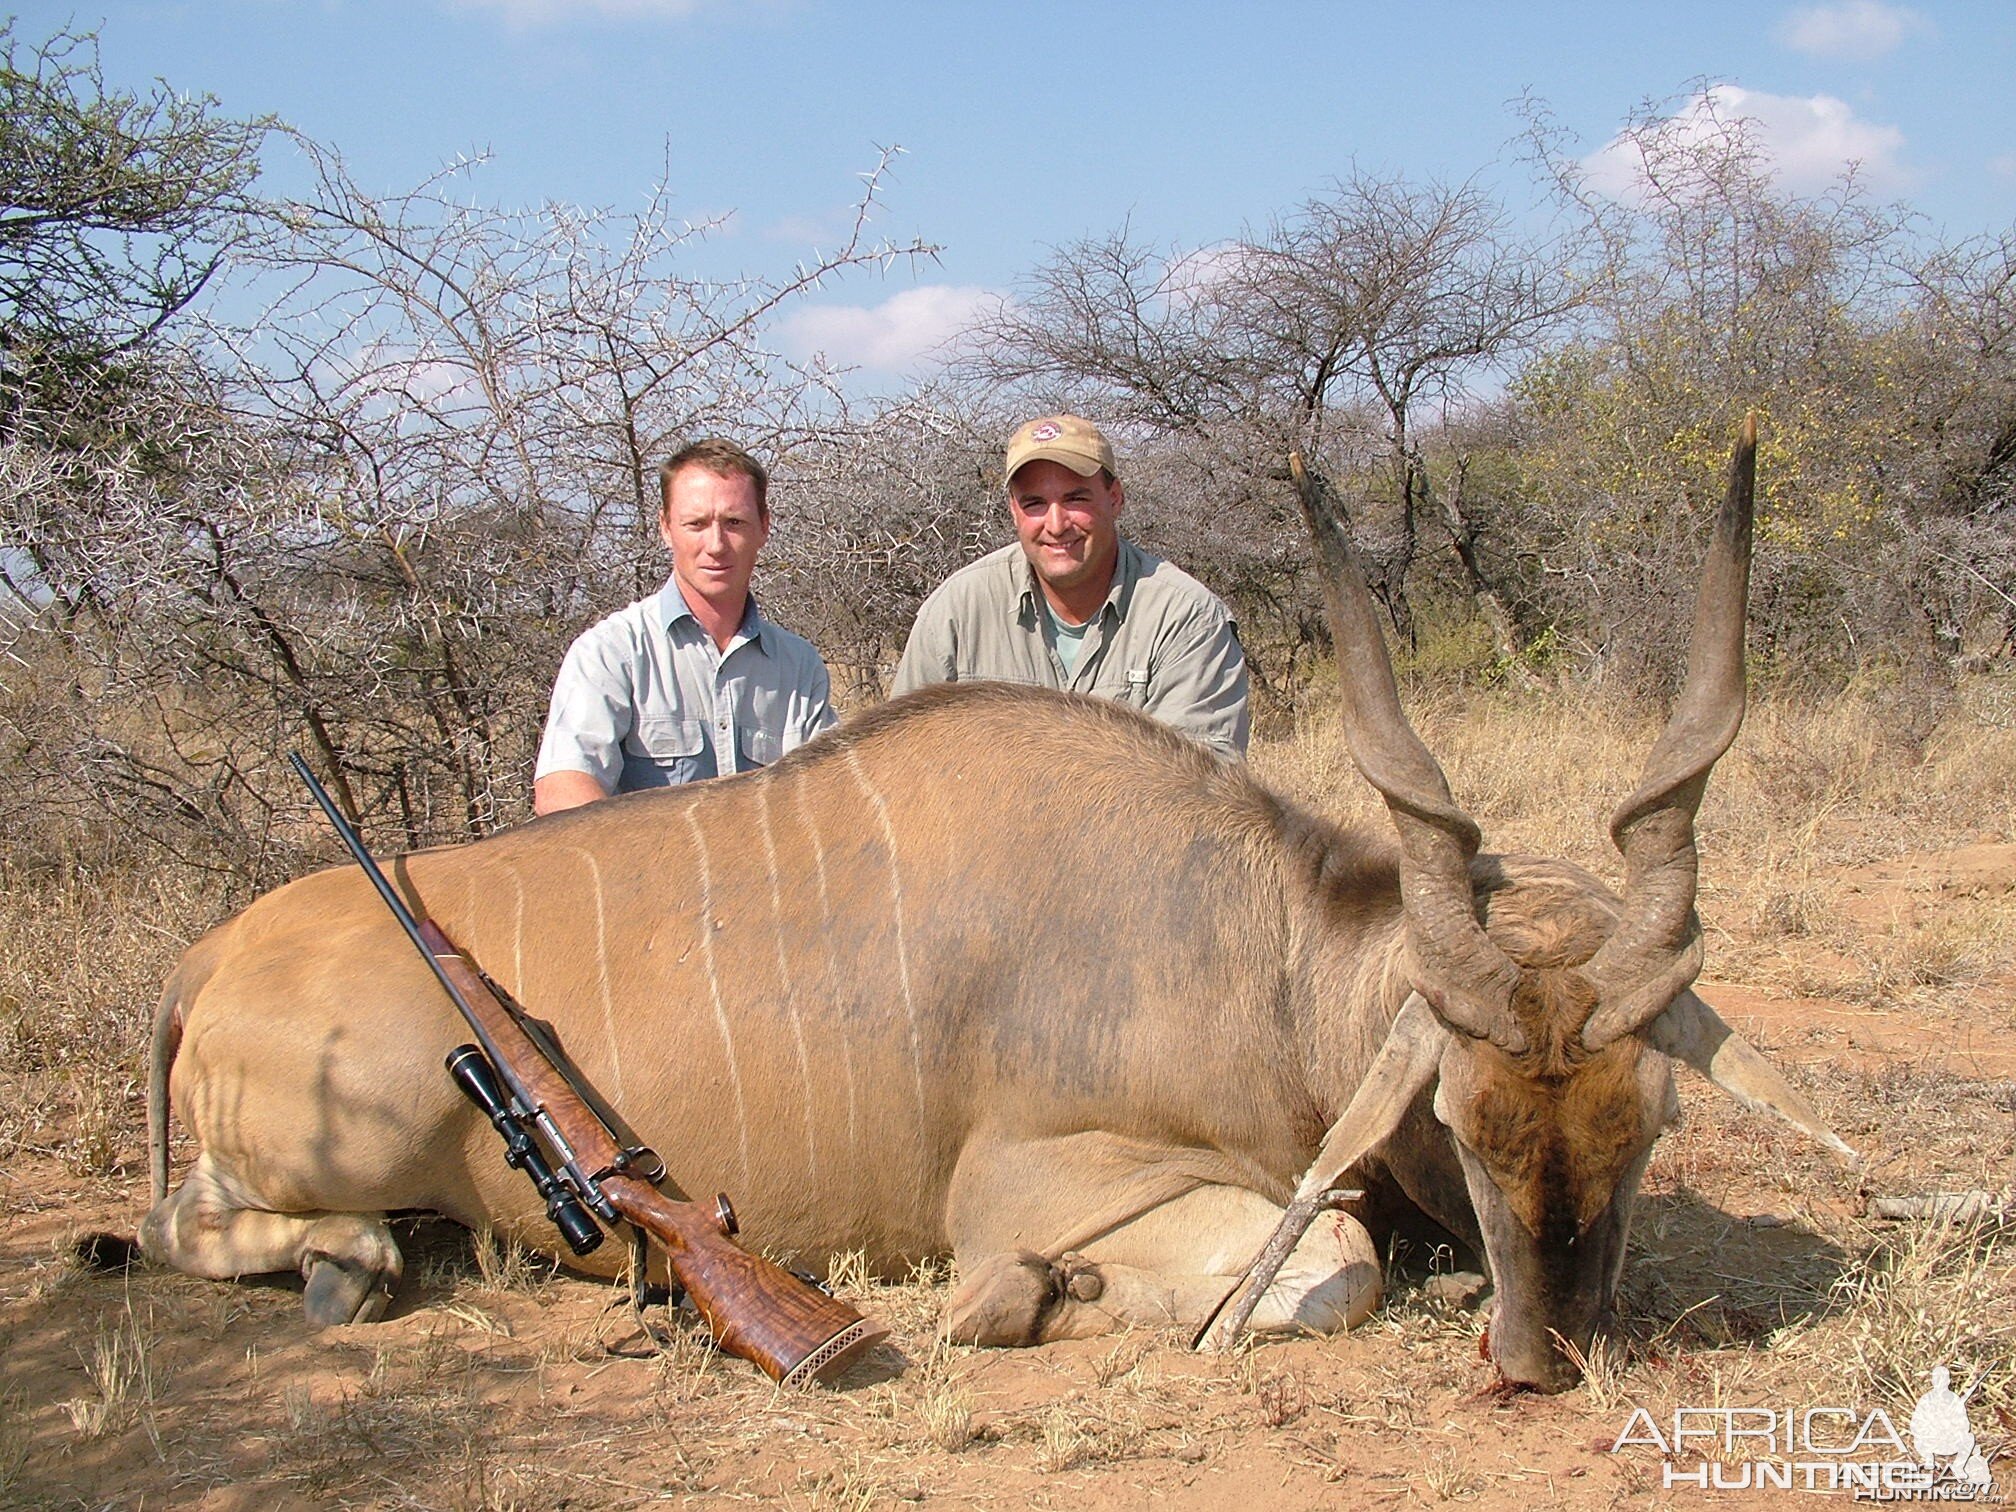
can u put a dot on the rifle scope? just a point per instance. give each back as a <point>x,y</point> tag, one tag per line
<point>474,1074</point>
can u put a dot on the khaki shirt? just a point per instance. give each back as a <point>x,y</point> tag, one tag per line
<point>645,699</point>
<point>1162,643</point>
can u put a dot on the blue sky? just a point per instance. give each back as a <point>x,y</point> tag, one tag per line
<point>1030,125</point>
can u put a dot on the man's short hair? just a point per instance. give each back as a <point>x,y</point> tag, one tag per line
<point>722,458</point>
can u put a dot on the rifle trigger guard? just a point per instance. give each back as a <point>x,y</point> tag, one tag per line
<point>635,1160</point>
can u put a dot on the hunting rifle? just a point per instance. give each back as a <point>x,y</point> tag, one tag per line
<point>795,1333</point>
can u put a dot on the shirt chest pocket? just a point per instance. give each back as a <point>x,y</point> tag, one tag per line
<point>762,715</point>
<point>663,749</point>
<point>666,737</point>
<point>760,747</point>
<point>1123,684</point>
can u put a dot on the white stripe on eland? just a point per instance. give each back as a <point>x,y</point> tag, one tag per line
<point>602,982</point>
<point>826,935</point>
<point>714,985</point>
<point>784,978</point>
<point>897,913</point>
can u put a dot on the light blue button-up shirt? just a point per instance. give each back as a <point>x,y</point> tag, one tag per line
<point>645,698</point>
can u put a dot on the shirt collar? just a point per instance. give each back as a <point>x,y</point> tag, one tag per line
<point>1126,573</point>
<point>672,607</point>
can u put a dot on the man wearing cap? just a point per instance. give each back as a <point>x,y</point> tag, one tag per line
<point>691,682</point>
<point>1073,604</point>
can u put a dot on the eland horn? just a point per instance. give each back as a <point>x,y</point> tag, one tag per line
<point>1655,950</point>
<point>1465,978</point>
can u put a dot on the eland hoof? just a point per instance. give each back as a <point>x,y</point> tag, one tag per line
<point>337,1294</point>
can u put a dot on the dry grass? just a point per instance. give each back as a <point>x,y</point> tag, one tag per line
<point>82,960</point>
<point>499,1388</point>
<point>14,1438</point>
<point>1931,1294</point>
<point>504,1264</point>
<point>1809,789</point>
<point>121,1376</point>
<point>521,1406</point>
<point>330,1445</point>
<point>1449,1477</point>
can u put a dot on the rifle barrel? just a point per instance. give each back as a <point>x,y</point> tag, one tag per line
<point>355,844</point>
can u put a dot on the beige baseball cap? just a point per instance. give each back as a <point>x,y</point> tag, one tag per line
<point>1064,439</point>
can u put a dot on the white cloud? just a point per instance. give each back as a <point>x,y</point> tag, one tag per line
<point>385,377</point>
<point>802,230</point>
<point>2003,166</point>
<point>895,336</point>
<point>1809,140</point>
<point>526,13</point>
<point>1857,30</point>
<point>1194,274</point>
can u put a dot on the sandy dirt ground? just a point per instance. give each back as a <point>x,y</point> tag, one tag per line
<point>1757,1280</point>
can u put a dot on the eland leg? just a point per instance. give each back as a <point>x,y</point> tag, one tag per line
<point>209,1227</point>
<point>1135,1257</point>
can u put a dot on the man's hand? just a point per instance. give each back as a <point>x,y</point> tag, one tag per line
<point>564,790</point>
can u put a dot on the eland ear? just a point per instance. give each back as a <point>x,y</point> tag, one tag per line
<point>1689,1030</point>
<point>1406,1063</point>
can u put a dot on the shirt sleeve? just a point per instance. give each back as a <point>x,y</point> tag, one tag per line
<point>931,653</point>
<point>815,708</point>
<point>590,713</point>
<point>1200,687</point>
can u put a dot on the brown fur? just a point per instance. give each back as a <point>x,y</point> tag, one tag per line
<point>988,969</point>
<point>1557,1125</point>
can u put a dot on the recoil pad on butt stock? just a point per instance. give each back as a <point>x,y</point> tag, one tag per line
<point>795,1333</point>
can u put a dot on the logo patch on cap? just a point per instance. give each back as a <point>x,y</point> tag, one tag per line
<point>1047,431</point>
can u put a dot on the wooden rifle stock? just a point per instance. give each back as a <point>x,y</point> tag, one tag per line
<point>792,1331</point>
<point>789,1329</point>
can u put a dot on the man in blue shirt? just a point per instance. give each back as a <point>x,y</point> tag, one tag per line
<point>692,682</point>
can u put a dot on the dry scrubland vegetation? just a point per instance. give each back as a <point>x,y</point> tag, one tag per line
<point>1756,1278</point>
<point>345,471</point>
<point>364,519</point>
